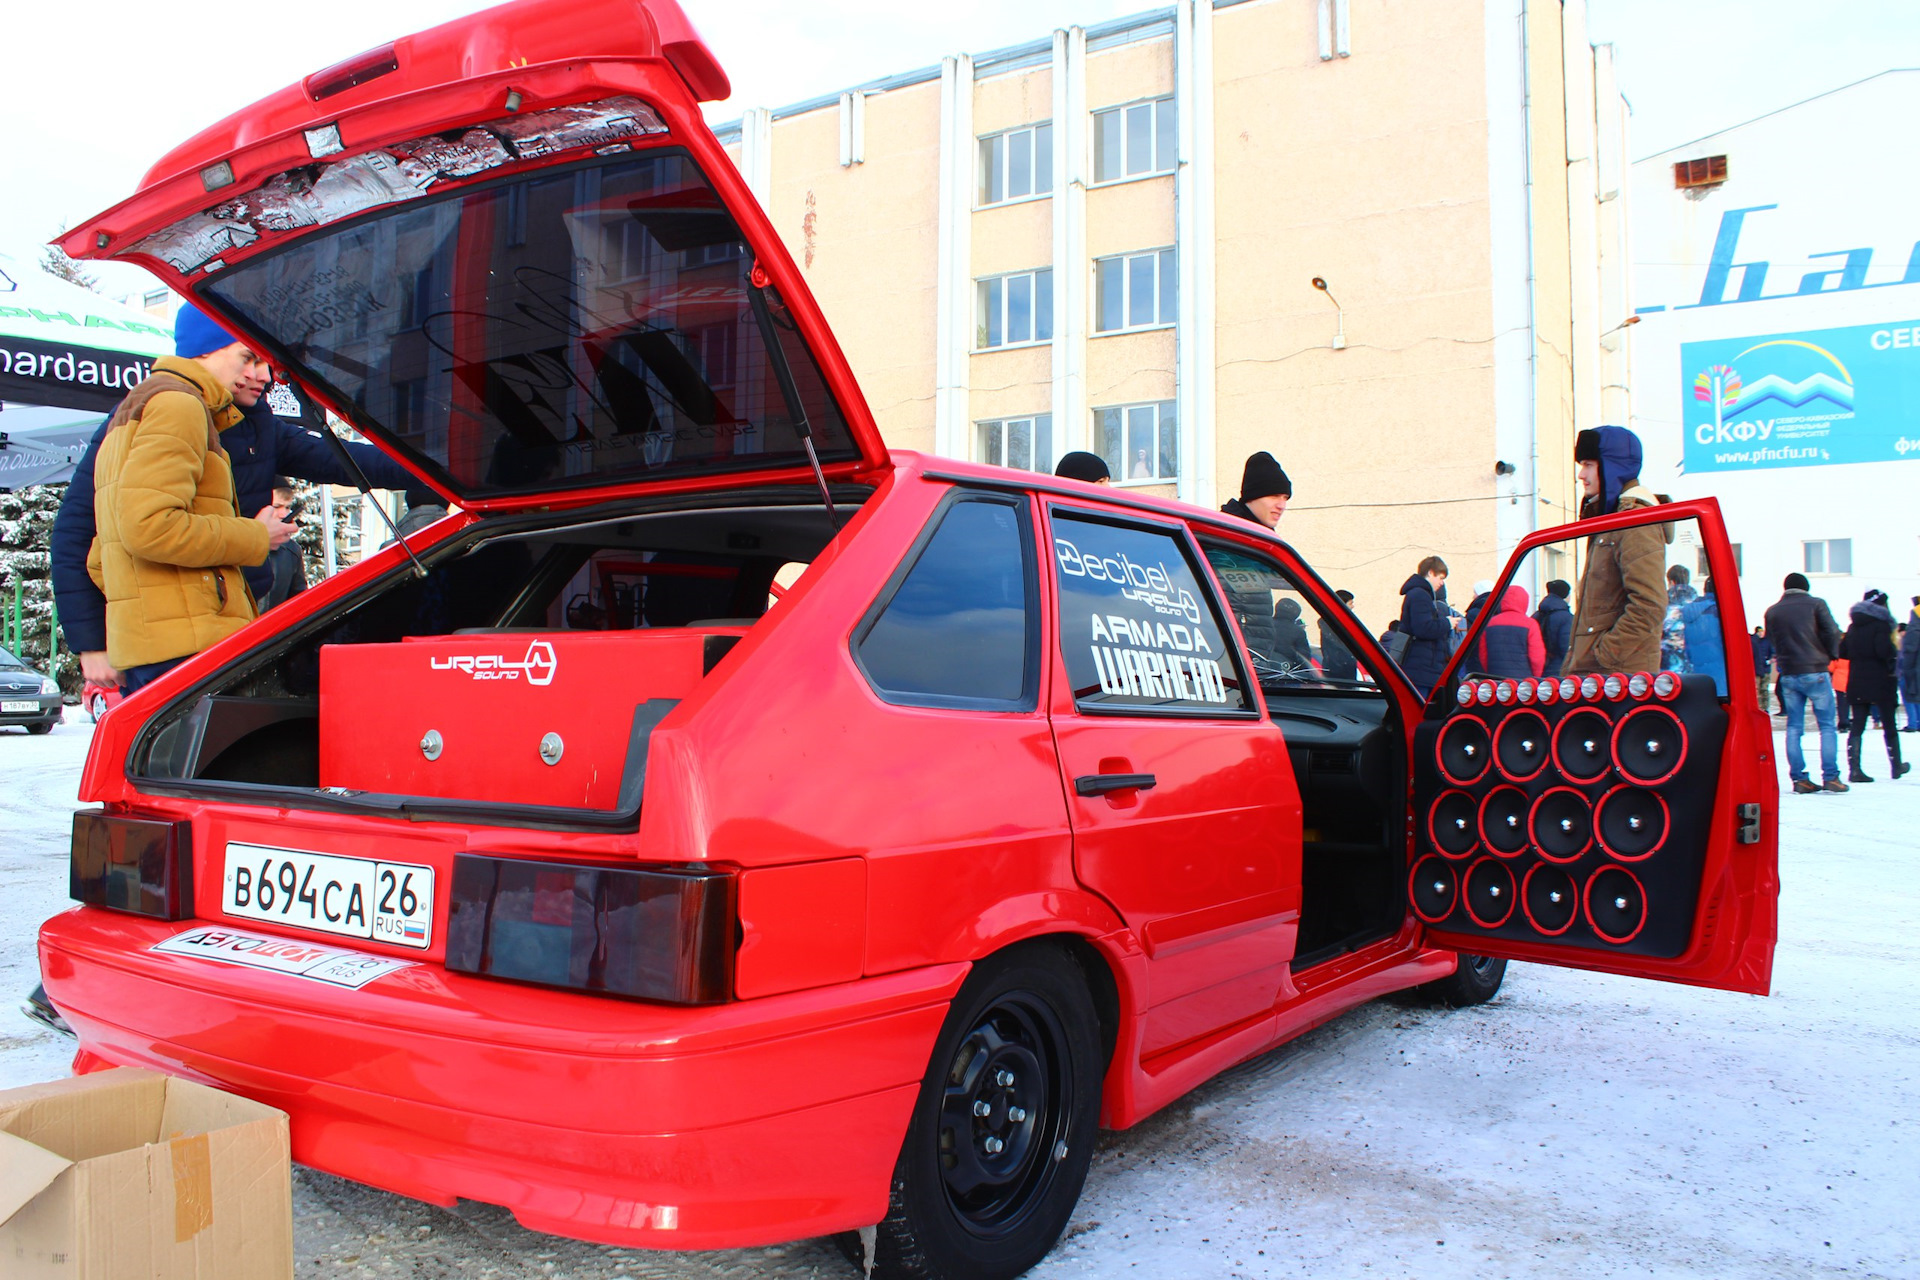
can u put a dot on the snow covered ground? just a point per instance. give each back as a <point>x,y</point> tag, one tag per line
<point>1579,1124</point>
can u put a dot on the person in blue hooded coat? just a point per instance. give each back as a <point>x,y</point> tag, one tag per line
<point>1701,641</point>
<point>261,447</point>
<point>1428,630</point>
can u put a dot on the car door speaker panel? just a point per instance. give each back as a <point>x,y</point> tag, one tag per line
<point>1579,816</point>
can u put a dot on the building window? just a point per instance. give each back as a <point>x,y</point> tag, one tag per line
<point>1131,141</point>
<point>1835,555</point>
<point>1707,171</point>
<point>1706,570</point>
<point>1141,442</point>
<point>1016,164</point>
<point>1014,309</point>
<point>1026,444</point>
<point>1134,292</point>
<point>153,299</point>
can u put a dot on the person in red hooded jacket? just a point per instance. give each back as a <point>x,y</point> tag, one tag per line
<point>1510,645</point>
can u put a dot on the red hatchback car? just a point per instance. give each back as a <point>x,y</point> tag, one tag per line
<point>729,831</point>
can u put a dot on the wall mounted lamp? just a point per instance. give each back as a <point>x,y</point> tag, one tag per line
<point>1340,336</point>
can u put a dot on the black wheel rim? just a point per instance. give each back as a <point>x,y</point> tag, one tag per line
<point>1482,966</point>
<point>1005,1109</point>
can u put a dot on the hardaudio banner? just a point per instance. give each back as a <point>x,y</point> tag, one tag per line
<point>66,347</point>
<point>1802,399</point>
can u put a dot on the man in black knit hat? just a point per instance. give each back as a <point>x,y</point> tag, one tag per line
<point>1264,490</point>
<point>1081,465</point>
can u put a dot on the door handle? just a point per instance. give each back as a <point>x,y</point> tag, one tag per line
<point>1100,784</point>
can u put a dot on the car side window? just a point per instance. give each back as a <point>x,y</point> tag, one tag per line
<point>1292,643</point>
<point>958,626</point>
<point>1138,629</point>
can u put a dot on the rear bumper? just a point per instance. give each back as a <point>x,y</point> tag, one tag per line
<point>605,1120</point>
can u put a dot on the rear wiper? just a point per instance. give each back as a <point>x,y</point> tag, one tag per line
<point>789,391</point>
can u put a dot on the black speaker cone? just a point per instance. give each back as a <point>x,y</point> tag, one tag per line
<point>1465,750</point>
<point>1434,887</point>
<point>1616,904</point>
<point>1490,893</point>
<point>1582,745</point>
<point>1454,824</point>
<point>1550,898</point>
<point>1562,824</point>
<point>1650,745</point>
<point>1521,745</point>
<point>1632,823</point>
<point>1503,820</point>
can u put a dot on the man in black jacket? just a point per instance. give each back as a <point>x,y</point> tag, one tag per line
<point>1870,653</point>
<point>1806,640</point>
<point>1555,617</point>
<point>1264,492</point>
<point>261,447</point>
<point>1428,630</point>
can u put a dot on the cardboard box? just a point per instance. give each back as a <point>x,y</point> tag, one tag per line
<point>126,1173</point>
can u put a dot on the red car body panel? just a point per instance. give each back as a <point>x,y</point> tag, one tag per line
<point>878,849</point>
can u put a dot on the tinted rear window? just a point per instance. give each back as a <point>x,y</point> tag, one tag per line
<point>584,325</point>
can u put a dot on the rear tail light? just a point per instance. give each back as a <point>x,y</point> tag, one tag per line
<point>650,934</point>
<point>357,70</point>
<point>127,863</point>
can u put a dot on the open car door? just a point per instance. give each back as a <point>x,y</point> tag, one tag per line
<point>1620,814</point>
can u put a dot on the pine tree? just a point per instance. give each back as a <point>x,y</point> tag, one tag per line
<point>26,567</point>
<point>55,262</point>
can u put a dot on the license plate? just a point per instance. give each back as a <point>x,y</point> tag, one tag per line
<point>7,708</point>
<point>388,902</point>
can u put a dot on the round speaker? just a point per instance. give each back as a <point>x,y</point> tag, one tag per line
<point>1453,824</point>
<point>1562,824</point>
<point>1465,750</point>
<point>1550,898</point>
<point>1434,887</point>
<point>1503,821</point>
<point>1521,745</point>
<point>1632,823</point>
<point>1616,904</point>
<point>1490,893</point>
<point>1581,745</point>
<point>1650,745</point>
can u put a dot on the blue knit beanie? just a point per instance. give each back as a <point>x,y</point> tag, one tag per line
<point>195,333</point>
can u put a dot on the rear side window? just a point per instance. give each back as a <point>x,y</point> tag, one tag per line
<point>959,627</point>
<point>1138,630</point>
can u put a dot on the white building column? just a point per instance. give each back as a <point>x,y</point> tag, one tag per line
<point>756,154</point>
<point>1615,241</point>
<point>1510,250</point>
<point>1194,248</point>
<point>1072,425</point>
<point>1583,224</point>
<point>953,321</point>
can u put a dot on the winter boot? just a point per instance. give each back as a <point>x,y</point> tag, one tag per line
<point>1805,787</point>
<point>1854,772</point>
<point>1894,762</point>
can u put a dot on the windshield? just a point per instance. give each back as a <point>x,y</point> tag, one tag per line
<point>585,325</point>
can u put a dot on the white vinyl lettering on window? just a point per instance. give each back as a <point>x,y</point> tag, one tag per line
<point>1134,140</point>
<point>1015,309</point>
<point>1016,164</point>
<point>1134,291</point>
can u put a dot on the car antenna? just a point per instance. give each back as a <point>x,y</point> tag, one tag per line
<point>783,373</point>
<point>366,491</point>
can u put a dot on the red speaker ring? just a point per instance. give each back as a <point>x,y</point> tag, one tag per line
<point>1467,897</point>
<point>1440,740</point>
<point>1606,765</point>
<point>1572,915</point>
<point>1414,898</point>
<point>1433,836</point>
<point>1482,824</point>
<point>1545,758</point>
<point>1593,826</point>
<point>1650,709</point>
<point>1586,902</point>
<point>1666,818</point>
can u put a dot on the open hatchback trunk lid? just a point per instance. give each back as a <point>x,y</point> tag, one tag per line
<point>510,250</point>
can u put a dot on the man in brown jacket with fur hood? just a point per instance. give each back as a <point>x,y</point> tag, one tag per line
<point>170,541</point>
<point>1623,593</point>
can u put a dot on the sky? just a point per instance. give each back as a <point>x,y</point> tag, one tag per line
<point>85,114</point>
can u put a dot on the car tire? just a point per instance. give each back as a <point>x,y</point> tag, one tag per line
<point>97,707</point>
<point>45,726</point>
<point>1476,981</point>
<point>1021,1038</point>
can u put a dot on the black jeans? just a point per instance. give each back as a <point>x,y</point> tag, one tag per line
<point>1889,729</point>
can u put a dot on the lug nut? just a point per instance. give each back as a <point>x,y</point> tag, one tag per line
<point>981,1108</point>
<point>1016,1114</point>
<point>1004,1079</point>
<point>994,1146</point>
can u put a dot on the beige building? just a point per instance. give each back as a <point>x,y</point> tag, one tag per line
<point>1108,238</point>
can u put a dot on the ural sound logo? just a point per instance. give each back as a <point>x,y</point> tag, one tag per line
<point>539,666</point>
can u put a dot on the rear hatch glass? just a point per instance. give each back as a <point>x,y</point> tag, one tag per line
<point>583,326</point>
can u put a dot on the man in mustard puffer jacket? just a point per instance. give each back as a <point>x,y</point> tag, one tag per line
<point>170,541</point>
